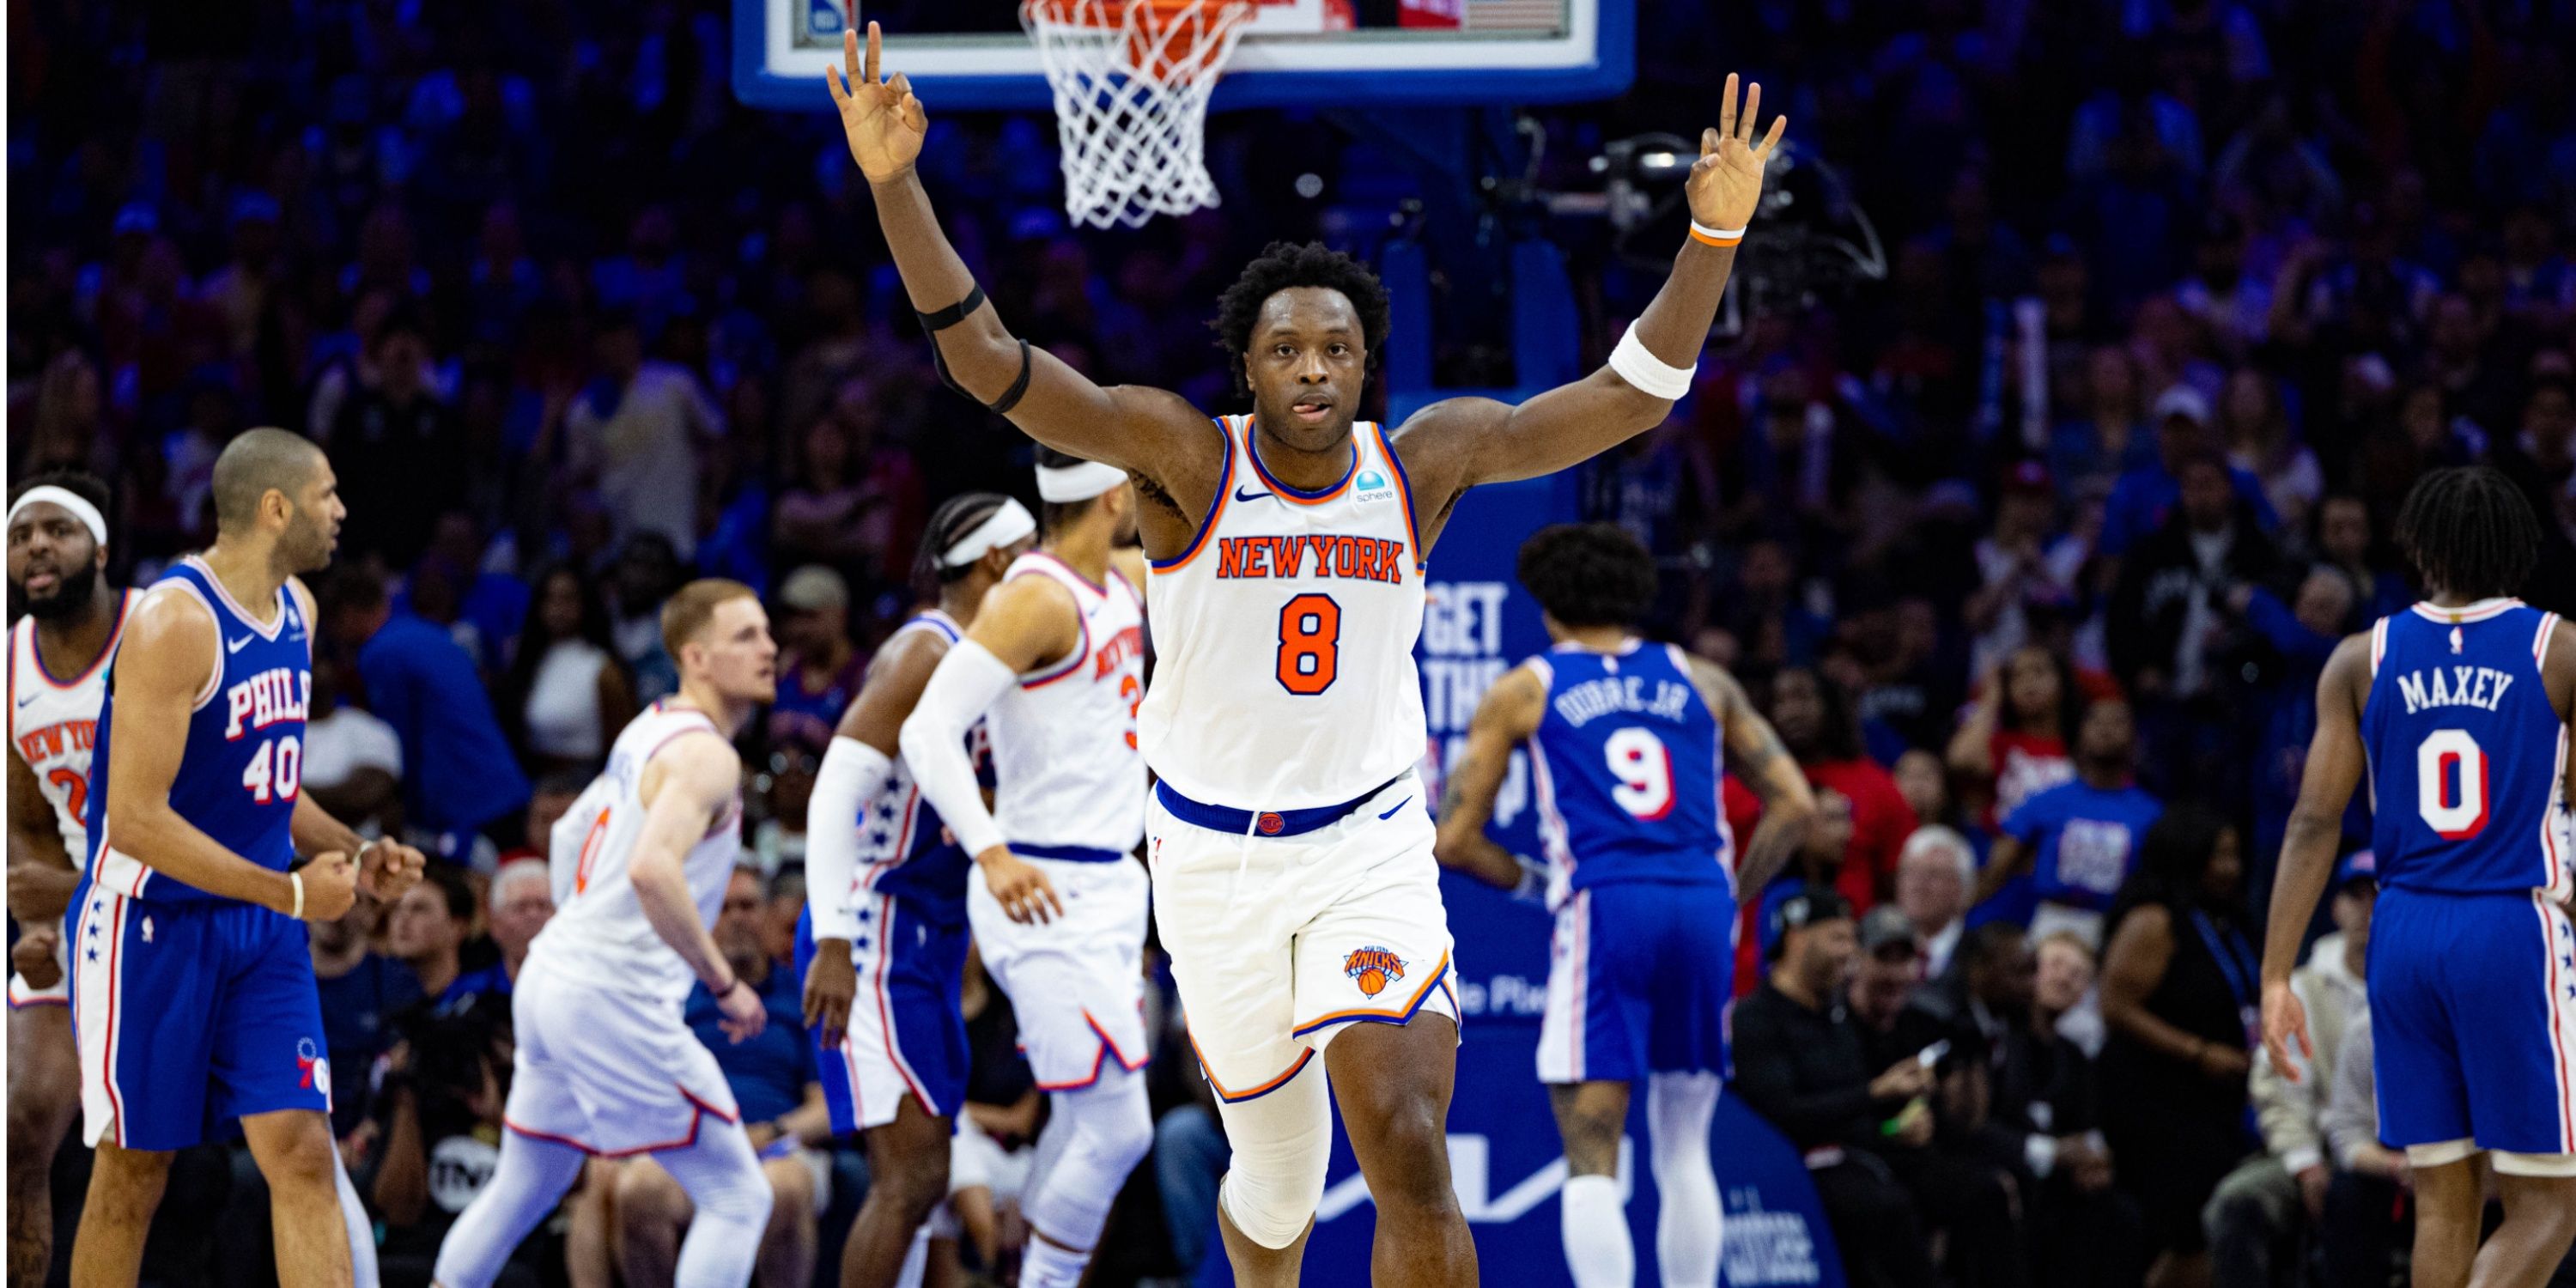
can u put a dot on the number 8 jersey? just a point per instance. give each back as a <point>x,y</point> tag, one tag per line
<point>1285,636</point>
<point>2467,756</point>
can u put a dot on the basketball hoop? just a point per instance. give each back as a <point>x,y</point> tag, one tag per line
<point>1131,81</point>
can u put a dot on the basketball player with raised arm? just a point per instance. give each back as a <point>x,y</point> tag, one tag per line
<point>58,571</point>
<point>1054,665</point>
<point>882,944</point>
<point>1291,849</point>
<point>1628,744</point>
<point>2457,710</point>
<point>193,1000</point>
<point>605,1065</point>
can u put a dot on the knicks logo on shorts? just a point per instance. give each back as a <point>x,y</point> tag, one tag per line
<point>1373,968</point>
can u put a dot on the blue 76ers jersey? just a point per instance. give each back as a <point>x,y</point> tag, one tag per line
<point>904,850</point>
<point>2467,756</point>
<point>243,763</point>
<point>1628,761</point>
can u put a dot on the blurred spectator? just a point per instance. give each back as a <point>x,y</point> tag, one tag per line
<point>2012,743</point>
<point>547,803</point>
<point>362,992</point>
<point>438,1103</point>
<point>2178,992</point>
<point>819,672</point>
<point>1934,876</point>
<point>2024,567</point>
<point>2343,542</point>
<point>639,433</point>
<point>353,763</point>
<point>2066,971</point>
<point>2256,1215</point>
<point>2078,841</point>
<point>2283,712</point>
<point>566,695</point>
<point>781,1098</point>
<point>647,571</point>
<point>427,931</point>
<point>519,904</point>
<point>2367,1220</point>
<point>2145,496</point>
<point>2089,452</point>
<point>2260,442</point>
<point>459,776</point>
<point>785,788</point>
<point>2175,644</point>
<point>1814,718</point>
<point>1887,971</point>
<point>395,445</point>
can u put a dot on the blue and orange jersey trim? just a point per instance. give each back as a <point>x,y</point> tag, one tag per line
<point>1216,508</point>
<point>124,606</point>
<point>1394,1015</point>
<point>1255,1092</point>
<point>1252,451</point>
<point>1404,484</point>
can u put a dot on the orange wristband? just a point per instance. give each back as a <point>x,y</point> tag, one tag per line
<point>1707,236</point>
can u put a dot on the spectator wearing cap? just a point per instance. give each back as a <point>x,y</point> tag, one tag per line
<point>458,774</point>
<point>1801,1063</point>
<point>1934,876</point>
<point>1890,968</point>
<point>2078,841</point>
<point>2255,1216</point>
<point>567,694</point>
<point>2021,566</point>
<point>819,672</point>
<point>2146,495</point>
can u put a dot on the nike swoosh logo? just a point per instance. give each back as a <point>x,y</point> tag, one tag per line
<point>1241,495</point>
<point>29,699</point>
<point>1398,805</point>
<point>236,646</point>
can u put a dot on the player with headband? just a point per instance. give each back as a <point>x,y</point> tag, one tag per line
<point>882,944</point>
<point>1054,666</point>
<point>1292,852</point>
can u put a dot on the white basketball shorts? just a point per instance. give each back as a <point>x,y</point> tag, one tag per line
<point>1076,982</point>
<point>609,1072</point>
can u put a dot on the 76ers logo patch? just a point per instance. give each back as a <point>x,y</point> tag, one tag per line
<point>316,1069</point>
<point>1373,968</point>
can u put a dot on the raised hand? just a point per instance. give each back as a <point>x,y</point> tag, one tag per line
<point>883,120</point>
<point>1726,183</point>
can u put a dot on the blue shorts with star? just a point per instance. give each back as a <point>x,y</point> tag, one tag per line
<point>2473,1020</point>
<point>190,1015</point>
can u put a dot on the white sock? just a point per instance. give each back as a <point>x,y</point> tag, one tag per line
<point>1596,1233</point>
<point>915,1262</point>
<point>1044,1265</point>
<point>1690,1225</point>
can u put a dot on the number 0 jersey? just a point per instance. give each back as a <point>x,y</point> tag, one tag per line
<point>2467,756</point>
<point>1628,760</point>
<point>1285,636</point>
<point>54,724</point>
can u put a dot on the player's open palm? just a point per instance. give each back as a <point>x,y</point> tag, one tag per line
<point>1726,183</point>
<point>1024,892</point>
<point>330,886</point>
<point>883,120</point>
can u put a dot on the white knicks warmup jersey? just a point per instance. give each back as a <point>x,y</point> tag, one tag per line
<point>1285,635</point>
<point>54,722</point>
<point>598,935</point>
<point>1065,768</point>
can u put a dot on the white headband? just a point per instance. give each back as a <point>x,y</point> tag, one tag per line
<point>81,509</point>
<point>1062,483</point>
<point>999,529</point>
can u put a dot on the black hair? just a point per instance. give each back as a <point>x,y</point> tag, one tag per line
<point>1054,515</point>
<point>955,517</point>
<point>1839,736</point>
<point>2071,698</point>
<point>1988,942</point>
<point>350,587</point>
<point>2172,858</point>
<point>1284,266</point>
<point>1589,574</point>
<point>566,782</point>
<point>451,887</point>
<point>2469,531</point>
<point>1812,903</point>
<point>533,646</point>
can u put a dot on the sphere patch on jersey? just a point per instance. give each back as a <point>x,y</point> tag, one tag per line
<point>1373,968</point>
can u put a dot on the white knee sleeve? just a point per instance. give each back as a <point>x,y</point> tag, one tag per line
<point>1690,1224</point>
<point>1281,1141</point>
<point>1094,1138</point>
<point>526,1184</point>
<point>723,1180</point>
<point>1594,1222</point>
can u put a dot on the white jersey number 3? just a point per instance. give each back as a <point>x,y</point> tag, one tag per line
<point>1644,768</point>
<point>2451,784</point>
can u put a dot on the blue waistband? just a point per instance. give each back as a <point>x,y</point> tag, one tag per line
<point>1067,853</point>
<point>1244,822</point>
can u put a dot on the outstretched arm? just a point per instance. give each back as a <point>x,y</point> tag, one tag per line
<point>1509,714</point>
<point>2308,848</point>
<point>1753,748</point>
<point>1492,441</point>
<point>1148,431</point>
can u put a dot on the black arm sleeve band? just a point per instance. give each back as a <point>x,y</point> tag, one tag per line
<point>943,319</point>
<point>933,323</point>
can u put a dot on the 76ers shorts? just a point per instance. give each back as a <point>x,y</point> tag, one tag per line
<point>2472,1026</point>
<point>607,1071</point>
<point>905,1035</point>
<point>1077,982</point>
<point>1638,981</point>
<point>188,1015</point>
<point>22,993</point>
<point>1280,942</point>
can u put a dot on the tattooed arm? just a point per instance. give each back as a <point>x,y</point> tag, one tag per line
<point>1508,715</point>
<point>1754,752</point>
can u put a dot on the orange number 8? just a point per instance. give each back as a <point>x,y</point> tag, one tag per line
<point>1310,644</point>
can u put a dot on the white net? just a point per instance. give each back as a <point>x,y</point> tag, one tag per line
<point>1131,81</point>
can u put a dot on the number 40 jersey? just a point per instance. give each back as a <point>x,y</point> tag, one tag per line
<point>2467,756</point>
<point>1628,762</point>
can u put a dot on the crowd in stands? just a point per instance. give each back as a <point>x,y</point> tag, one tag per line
<point>2032,552</point>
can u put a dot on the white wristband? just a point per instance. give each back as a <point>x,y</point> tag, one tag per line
<point>1639,367</point>
<point>296,879</point>
<point>1708,236</point>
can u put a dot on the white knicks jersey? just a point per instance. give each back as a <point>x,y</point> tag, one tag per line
<point>1285,635</point>
<point>54,722</point>
<point>1066,773</point>
<point>599,935</point>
